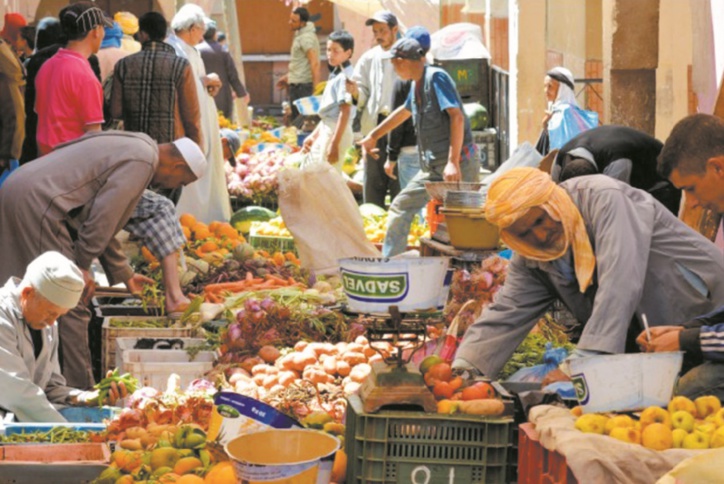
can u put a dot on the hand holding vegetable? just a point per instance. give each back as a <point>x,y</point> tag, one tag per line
<point>136,282</point>
<point>111,389</point>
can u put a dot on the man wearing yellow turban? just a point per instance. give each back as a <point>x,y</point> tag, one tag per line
<point>608,251</point>
<point>129,26</point>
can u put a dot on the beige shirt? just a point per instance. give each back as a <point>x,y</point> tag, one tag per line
<point>300,71</point>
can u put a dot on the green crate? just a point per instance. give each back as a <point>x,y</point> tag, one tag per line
<point>273,244</point>
<point>412,446</point>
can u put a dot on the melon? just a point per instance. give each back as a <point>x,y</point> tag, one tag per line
<point>242,218</point>
<point>477,114</point>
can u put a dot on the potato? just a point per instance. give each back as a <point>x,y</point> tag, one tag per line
<point>358,348</point>
<point>329,365</point>
<point>270,381</point>
<point>369,351</point>
<point>487,406</point>
<point>269,354</point>
<point>361,340</point>
<point>316,375</point>
<point>360,372</point>
<point>351,387</point>
<point>343,368</point>
<point>302,360</point>
<point>354,358</point>
<point>259,379</point>
<point>321,348</point>
<point>375,358</point>
<point>276,388</point>
<point>250,363</point>
<point>300,345</point>
<point>135,432</point>
<point>286,362</point>
<point>260,369</point>
<point>286,378</point>
<point>341,347</point>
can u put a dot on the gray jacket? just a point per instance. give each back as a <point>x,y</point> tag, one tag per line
<point>647,262</point>
<point>29,385</point>
<point>217,60</point>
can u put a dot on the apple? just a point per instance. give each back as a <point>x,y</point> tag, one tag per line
<point>577,411</point>
<point>717,438</point>
<point>682,419</point>
<point>707,405</point>
<point>706,428</point>
<point>696,440</point>
<point>626,434</point>
<point>652,415</point>
<point>678,436</point>
<point>623,421</point>
<point>718,418</point>
<point>591,423</point>
<point>657,436</point>
<point>682,403</point>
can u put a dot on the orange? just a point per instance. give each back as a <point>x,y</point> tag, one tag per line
<point>339,468</point>
<point>279,258</point>
<point>190,479</point>
<point>187,220</point>
<point>186,465</point>
<point>214,226</point>
<point>170,478</point>
<point>443,389</point>
<point>147,255</point>
<point>186,231</point>
<point>208,246</point>
<point>201,232</point>
<point>226,230</point>
<point>440,371</point>
<point>447,407</point>
<point>478,391</point>
<point>221,473</point>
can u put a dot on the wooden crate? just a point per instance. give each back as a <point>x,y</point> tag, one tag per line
<point>109,336</point>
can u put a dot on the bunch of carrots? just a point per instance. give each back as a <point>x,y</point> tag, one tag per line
<point>214,293</point>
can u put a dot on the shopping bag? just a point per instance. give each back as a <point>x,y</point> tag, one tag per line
<point>322,216</point>
<point>568,121</point>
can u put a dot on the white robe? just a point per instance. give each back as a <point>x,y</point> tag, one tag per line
<point>206,199</point>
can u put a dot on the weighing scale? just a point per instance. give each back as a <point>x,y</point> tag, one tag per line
<point>394,380</point>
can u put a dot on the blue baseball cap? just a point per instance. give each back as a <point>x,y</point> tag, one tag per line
<point>421,35</point>
<point>404,48</point>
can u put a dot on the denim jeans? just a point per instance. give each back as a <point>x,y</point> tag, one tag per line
<point>408,164</point>
<point>414,198</point>
<point>705,379</point>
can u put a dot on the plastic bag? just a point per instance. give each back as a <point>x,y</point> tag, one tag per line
<point>12,166</point>
<point>322,215</point>
<point>535,374</point>
<point>566,122</point>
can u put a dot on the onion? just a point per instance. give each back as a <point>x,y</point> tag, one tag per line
<point>234,332</point>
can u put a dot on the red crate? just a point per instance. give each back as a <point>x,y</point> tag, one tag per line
<point>536,464</point>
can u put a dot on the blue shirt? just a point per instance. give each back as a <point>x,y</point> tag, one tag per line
<point>444,88</point>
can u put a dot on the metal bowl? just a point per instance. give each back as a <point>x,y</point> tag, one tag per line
<point>438,190</point>
<point>464,199</point>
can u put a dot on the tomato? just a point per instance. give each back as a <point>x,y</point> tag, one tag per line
<point>442,389</point>
<point>441,371</point>
<point>477,391</point>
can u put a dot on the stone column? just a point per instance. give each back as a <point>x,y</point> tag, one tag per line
<point>630,59</point>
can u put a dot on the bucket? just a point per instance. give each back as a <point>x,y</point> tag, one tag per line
<point>468,229</point>
<point>618,383</point>
<point>373,284</point>
<point>295,456</point>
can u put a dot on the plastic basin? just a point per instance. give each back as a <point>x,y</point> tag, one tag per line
<point>300,456</point>
<point>373,284</point>
<point>617,383</point>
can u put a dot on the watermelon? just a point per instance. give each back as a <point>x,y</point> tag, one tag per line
<point>477,114</point>
<point>242,218</point>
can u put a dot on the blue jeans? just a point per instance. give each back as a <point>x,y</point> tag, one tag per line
<point>413,198</point>
<point>705,379</point>
<point>408,164</point>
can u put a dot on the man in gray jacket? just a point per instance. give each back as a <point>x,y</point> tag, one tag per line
<point>609,251</point>
<point>30,376</point>
<point>74,201</point>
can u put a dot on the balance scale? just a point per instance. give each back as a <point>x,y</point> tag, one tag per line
<point>394,380</point>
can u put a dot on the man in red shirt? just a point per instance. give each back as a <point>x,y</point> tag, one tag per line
<point>69,99</point>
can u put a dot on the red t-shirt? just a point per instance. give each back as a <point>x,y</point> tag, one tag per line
<point>68,97</point>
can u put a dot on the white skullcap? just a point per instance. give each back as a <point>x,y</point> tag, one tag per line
<point>193,155</point>
<point>56,278</point>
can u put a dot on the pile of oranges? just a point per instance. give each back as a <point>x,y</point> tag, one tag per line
<point>217,237</point>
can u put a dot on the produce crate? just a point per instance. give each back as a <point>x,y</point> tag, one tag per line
<point>152,367</point>
<point>56,463</point>
<point>538,465</point>
<point>412,446</point>
<point>273,244</point>
<point>486,141</point>
<point>13,428</point>
<point>126,310</point>
<point>109,336</point>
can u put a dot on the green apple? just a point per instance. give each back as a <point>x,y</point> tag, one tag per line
<point>681,419</point>
<point>678,435</point>
<point>696,440</point>
<point>682,403</point>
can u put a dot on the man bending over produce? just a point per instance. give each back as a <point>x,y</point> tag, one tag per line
<point>29,371</point>
<point>75,200</point>
<point>609,251</point>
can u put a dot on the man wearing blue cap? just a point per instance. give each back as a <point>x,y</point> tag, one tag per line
<point>444,140</point>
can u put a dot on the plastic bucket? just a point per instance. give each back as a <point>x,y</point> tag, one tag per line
<point>296,456</point>
<point>468,229</point>
<point>617,383</point>
<point>373,285</point>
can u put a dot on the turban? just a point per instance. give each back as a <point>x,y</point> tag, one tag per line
<point>127,21</point>
<point>520,189</point>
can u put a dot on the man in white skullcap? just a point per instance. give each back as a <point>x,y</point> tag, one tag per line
<point>30,376</point>
<point>74,201</point>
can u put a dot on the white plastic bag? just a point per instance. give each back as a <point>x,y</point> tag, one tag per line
<point>322,215</point>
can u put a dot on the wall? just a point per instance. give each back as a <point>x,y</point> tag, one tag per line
<point>675,58</point>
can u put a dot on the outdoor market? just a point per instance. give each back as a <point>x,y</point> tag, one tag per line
<point>361,241</point>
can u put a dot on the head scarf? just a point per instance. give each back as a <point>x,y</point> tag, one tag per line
<point>565,80</point>
<point>113,36</point>
<point>127,21</point>
<point>520,189</point>
<point>48,32</point>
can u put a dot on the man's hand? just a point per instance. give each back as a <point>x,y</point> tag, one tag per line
<point>451,173</point>
<point>663,338</point>
<point>368,145</point>
<point>247,98</point>
<point>90,398</point>
<point>90,287</point>
<point>352,88</point>
<point>390,169</point>
<point>307,145</point>
<point>283,82</point>
<point>136,282</point>
<point>554,376</point>
<point>212,83</point>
